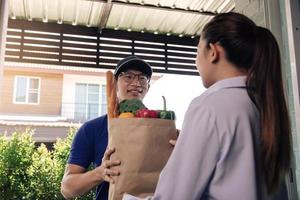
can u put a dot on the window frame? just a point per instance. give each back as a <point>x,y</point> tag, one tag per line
<point>87,97</point>
<point>28,78</point>
<point>103,100</point>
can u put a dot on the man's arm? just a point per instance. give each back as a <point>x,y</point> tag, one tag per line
<point>77,181</point>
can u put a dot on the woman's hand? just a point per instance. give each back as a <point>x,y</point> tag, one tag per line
<point>173,141</point>
<point>105,169</point>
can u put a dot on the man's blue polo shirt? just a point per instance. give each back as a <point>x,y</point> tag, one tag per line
<point>88,147</point>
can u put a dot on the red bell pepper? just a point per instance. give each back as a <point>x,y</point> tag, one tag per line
<point>145,113</point>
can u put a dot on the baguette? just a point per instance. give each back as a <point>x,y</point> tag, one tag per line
<point>111,96</point>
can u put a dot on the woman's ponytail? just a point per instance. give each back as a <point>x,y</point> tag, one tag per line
<point>265,86</point>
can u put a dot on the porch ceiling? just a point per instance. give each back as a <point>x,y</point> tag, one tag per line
<point>170,17</point>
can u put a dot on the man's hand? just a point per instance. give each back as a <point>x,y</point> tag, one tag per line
<point>105,169</point>
<point>78,181</point>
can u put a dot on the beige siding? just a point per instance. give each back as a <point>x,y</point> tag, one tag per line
<point>50,94</point>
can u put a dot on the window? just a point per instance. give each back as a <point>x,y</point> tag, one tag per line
<point>86,101</point>
<point>27,90</point>
<point>103,100</point>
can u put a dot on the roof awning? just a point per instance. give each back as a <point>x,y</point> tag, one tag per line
<point>98,33</point>
<point>172,17</point>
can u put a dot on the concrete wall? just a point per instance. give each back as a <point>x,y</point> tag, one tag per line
<point>253,9</point>
<point>273,14</point>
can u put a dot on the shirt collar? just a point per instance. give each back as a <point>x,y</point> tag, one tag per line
<point>235,82</point>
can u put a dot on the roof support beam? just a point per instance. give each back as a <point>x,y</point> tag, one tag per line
<point>89,21</point>
<point>165,8</point>
<point>27,11</point>
<point>105,15</point>
<point>60,12</point>
<point>76,13</point>
<point>13,9</point>
<point>45,11</point>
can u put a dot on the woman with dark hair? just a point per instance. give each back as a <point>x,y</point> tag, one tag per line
<point>235,139</point>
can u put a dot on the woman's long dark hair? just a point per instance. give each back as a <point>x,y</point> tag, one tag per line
<point>255,49</point>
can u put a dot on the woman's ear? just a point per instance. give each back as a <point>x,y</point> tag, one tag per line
<point>213,53</point>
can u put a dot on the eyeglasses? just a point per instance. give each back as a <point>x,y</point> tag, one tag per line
<point>130,77</point>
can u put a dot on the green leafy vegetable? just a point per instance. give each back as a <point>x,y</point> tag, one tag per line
<point>131,105</point>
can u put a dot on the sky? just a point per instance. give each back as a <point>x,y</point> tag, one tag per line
<point>179,91</point>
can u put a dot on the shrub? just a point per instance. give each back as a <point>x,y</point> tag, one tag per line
<point>27,172</point>
<point>43,182</point>
<point>15,160</point>
<point>60,155</point>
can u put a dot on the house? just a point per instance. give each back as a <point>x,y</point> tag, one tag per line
<point>54,75</point>
<point>49,99</point>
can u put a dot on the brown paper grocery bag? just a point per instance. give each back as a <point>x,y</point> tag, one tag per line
<point>142,145</point>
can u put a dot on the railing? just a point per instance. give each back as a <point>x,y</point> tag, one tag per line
<point>50,43</point>
<point>82,111</point>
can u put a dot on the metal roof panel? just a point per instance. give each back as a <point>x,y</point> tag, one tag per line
<point>125,14</point>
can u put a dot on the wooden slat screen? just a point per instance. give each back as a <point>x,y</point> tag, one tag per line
<point>49,43</point>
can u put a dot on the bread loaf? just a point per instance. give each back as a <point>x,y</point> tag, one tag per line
<point>111,95</point>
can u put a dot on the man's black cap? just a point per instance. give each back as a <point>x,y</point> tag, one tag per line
<point>133,62</point>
